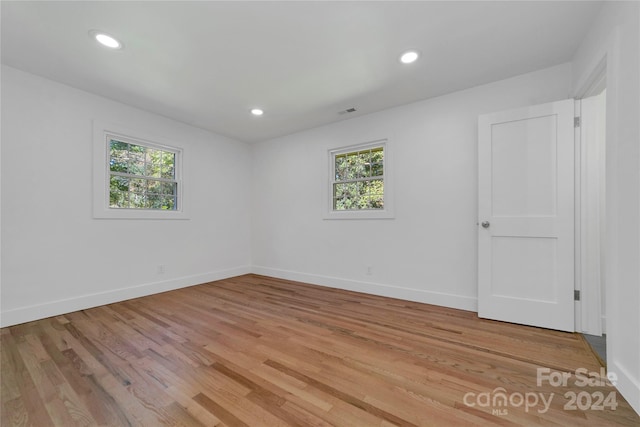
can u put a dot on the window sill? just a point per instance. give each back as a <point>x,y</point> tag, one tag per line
<point>368,214</point>
<point>138,214</point>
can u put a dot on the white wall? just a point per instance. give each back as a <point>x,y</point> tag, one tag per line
<point>55,257</point>
<point>615,36</point>
<point>428,252</point>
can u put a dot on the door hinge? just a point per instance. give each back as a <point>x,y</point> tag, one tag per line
<point>576,122</point>
<point>576,295</point>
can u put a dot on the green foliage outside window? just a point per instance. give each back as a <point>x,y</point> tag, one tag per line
<point>141,177</point>
<point>359,180</point>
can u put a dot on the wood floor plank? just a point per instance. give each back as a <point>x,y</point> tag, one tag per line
<point>21,402</point>
<point>259,351</point>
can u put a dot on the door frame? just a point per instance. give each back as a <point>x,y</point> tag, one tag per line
<point>590,303</point>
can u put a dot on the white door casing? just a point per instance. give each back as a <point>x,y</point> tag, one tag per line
<point>526,216</point>
<point>592,213</point>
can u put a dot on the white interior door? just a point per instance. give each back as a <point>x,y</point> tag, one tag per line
<point>526,216</point>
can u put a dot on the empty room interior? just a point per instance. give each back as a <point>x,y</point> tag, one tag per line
<point>310,213</point>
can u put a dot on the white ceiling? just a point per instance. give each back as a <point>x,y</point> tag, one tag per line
<point>209,63</point>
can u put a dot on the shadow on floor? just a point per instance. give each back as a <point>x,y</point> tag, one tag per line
<point>598,344</point>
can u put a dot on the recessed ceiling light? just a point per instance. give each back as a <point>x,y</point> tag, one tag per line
<point>257,112</point>
<point>105,39</point>
<point>409,57</point>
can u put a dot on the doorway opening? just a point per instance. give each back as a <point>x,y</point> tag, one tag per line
<point>591,216</point>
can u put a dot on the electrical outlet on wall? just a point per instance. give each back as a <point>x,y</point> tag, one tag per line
<point>160,269</point>
<point>369,270</point>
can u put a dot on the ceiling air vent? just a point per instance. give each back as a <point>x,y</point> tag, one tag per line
<point>347,111</point>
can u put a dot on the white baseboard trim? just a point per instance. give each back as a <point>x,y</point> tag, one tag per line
<point>410,294</point>
<point>627,385</point>
<point>55,308</point>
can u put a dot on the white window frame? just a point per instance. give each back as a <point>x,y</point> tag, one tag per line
<point>103,133</point>
<point>388,211</point>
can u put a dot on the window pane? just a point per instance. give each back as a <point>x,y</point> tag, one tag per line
<point>376,187</point>
<point>119,183</point>
<point>137,200</point>
<point>150,155</point>
<point>346,203</point>
<point>119,165</point>
<point>137,150</point>
<point>352,164</point>
<point>154,201</point>
<point>168,172</point>
<point>138,185</point>
<point>118,156</point>
<point>169,188</point>
<point>341,167</point>
<point>168,159</point>
<point>154,163</point>
<point>353,203</point>
<point>152,170</point>
<point>154,186</point>
<point>118,192</point>
<point>136,160</point>
<point>167,162</point>
<point>377,155</point>
<point>351,190</point>
<point>115,145</point>
<point>136,166</point>
<point>359,164</point>
<point>118,199</point>
<point>169,203</point>
<point>377,195</point>
<point>363,160</point>
<point>136,153</point>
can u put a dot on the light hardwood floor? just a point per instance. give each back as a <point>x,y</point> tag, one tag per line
<point>258,351</point>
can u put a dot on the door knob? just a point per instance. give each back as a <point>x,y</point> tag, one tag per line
<point>485,224</point>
